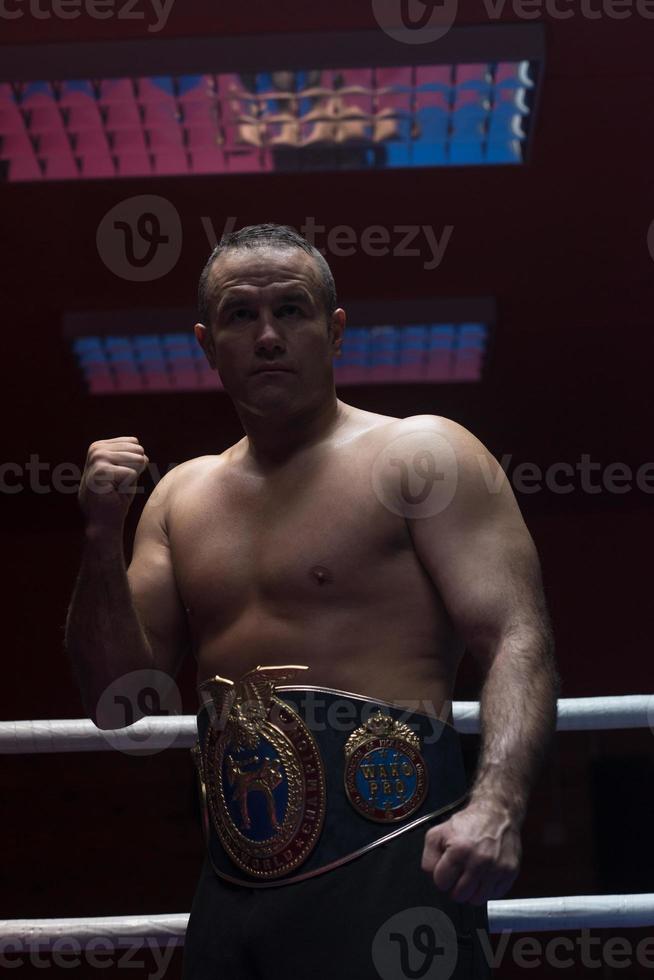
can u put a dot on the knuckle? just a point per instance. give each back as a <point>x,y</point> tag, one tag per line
<point>460,850</point>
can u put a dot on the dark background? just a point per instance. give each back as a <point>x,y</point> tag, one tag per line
<point>562,245</point>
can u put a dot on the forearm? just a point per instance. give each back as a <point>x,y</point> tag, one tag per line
<point>518,719</point>
<point>104,637</point>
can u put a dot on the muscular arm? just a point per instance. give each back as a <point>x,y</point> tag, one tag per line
<point>125,620</point>
<point>474,544</point>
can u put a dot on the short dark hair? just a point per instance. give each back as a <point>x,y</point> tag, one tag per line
<point>279,236</point>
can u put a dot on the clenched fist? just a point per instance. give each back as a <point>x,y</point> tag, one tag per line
<point>475,855</point>
<point>109,480</point>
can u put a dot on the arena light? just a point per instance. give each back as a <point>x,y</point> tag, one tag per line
<point>392,343</point>
<point>375,111</point>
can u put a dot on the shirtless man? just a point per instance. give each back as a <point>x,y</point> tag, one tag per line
<point>310,542</point>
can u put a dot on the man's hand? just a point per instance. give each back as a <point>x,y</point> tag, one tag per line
<point>475,855</point>
<point>109,481</point>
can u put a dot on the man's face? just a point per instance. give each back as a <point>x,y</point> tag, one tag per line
<point>268,335</point>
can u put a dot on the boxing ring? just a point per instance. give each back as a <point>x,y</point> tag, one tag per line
<point>519,915</point>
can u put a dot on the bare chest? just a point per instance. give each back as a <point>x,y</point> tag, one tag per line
<point>314,536</point>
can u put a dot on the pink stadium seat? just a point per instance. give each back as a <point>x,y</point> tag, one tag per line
<point>45,118</point>
<point>200,113</point>
<point>155,91</point>
<point>471,76</point>
<point>395,78</point>
<point>123,115</point>
<point>208,161</point>
<point>128,141</point>
<point>116,90</point>
<point>201,137</point>
<point>395,102</point>
<point>11,119</point>
<point>133,164</point>
<point>97,165</point>
<point>60,167</point>
<point>25,167</point>
<point>157,114</point>
<point>6,95</point>
<point>433,77</point>
<point>35,94</point>
<point>168,138</point>
<point>434,100</point>
<point>82,108</point>
<point>171,161</point>
<point>243,162</point>
<point>91,143</point>
<point>87,117</point>
<point>16,144</point>
<point>53,143</point>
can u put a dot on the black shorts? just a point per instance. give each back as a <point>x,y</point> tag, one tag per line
<point>378,917</point>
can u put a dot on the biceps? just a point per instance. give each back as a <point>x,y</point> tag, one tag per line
<point>159,606</point>
<point>489,580</point>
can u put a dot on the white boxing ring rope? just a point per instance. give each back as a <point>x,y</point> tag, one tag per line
<point>179,731</point>
<point>514,915</point>
<point>520,914</point>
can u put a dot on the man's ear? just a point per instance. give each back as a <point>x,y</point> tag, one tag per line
<point>337,329</point>
<point>205,340</point>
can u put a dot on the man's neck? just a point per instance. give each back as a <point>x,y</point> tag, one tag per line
<point>272,442</point>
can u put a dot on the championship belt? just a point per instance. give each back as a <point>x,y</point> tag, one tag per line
<point>263,774</point>
<point>286,793</point>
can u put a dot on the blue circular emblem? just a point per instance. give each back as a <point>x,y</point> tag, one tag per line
<point>385,774</point>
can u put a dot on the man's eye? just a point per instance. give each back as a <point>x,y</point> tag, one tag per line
<point>289,309</point>
<point>240,314</point>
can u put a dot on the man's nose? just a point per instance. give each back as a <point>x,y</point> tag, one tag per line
<point>269,337</point>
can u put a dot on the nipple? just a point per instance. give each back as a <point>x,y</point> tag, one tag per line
<point>321,574</point>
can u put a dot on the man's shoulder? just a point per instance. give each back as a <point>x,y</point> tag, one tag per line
<point>420,450</point>
<point>179,478</point>
<point>427,429</point>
